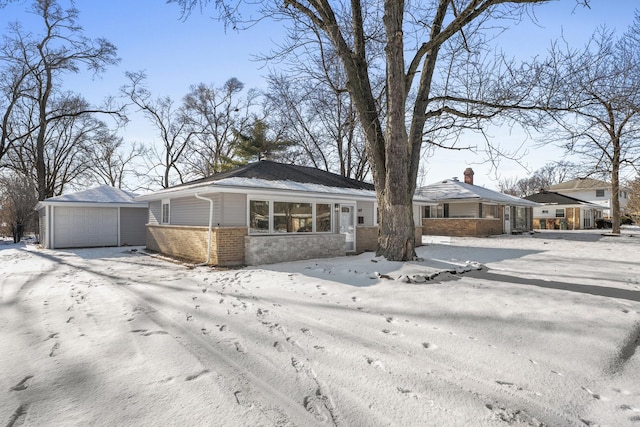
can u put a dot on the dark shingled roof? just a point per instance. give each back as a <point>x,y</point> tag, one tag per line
<point>550,197</point>
<point>273,171</point>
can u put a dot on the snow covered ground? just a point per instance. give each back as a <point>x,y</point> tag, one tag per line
<point>547,333</point>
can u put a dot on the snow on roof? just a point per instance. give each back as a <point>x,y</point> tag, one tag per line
<point>580,184</point>
<point>453,190</point>
<point>284,185</point>
<point>553,198</point>
<point>101,194</point>
<point>291,186</point>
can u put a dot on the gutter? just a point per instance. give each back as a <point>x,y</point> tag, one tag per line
<point>210,228</point>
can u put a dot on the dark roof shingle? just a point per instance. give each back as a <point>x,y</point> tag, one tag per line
<point>273,171</point>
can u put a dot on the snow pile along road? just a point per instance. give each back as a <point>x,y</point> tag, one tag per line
<point>545,333</point>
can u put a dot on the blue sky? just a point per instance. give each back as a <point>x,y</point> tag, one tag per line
<point>175,54</point>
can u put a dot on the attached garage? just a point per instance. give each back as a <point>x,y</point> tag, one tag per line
<point>102,216</point>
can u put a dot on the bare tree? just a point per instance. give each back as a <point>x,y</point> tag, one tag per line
<point>38,63</point>
<point>111,162</point>
<point>634,199</point>
<point>435,77</point>
<point>213,113</point>
<point>598,110</point>
<point>541,179</point>
<point>314,108</point>
<point>68,152</point>
<point>166,164</point>
<point>18,197</point>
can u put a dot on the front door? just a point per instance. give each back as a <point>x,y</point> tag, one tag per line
<point>348,226</point>
<point>507,219</point>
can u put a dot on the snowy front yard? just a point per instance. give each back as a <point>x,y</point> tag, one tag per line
<point>545,334</point>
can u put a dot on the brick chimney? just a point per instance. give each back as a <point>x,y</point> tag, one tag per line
<point>468,176</point>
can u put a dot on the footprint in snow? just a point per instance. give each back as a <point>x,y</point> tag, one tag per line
<point>594,395</point>
<point>239,347</point>
<point>306,331</point>
<point>278,346</point>
<point>429,346</point>
<point>146,334</point>
<point>53,335</point>
<point>509,384</point>
<point>22,385</point>
<point>408,392</point>
<point>319,405</point>
<point>19,416</point>
<point>375,363</point>
<point>195,376</point>
<point>54,349</point>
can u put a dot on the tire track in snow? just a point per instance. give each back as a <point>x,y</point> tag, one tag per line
<point>238,380</point>
<point>456,378</point>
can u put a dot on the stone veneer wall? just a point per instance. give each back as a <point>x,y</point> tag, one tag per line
<point>462,226</point>
<point>190,243</point>
<point>292,247</point>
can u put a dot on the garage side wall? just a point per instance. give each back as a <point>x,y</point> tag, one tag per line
<point>133,230</point>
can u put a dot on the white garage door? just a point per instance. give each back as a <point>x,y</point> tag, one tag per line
<point>85,227</point>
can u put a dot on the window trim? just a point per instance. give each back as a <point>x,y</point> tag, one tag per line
<point>167,203</point>
<point>600,193</point>
<point>288,199</point>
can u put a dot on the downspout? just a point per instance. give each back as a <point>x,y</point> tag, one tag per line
<point>210,228</point>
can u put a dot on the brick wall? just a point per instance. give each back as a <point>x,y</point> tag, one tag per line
<point>366,239</point>
<point>190,243</point>
<point>292,247</point>
<point>462,226</point>
<point>228,245</point>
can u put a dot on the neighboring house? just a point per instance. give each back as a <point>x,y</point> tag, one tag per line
<point>593,191</point>
<point>101,216</point>
<point>265,212</point>
<point>561,212</point>
<point>465,209</point>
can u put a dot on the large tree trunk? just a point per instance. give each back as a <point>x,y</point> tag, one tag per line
<point>615,187</point>
<point>396,240</point>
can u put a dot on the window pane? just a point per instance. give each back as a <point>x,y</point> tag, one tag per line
<point>165,213</point>
<point>258,216</point>
<point>291,217</point>
<point>559,213</point>
<point>323,218</point>
<point>489,211</point>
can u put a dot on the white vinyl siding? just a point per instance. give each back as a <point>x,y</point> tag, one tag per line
<point>155,212</point>
<point>365,210</point>
<point>190,211</point>
<point>234,210</point>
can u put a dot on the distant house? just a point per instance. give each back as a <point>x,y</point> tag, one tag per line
<point>561,212</point>
<point>465,209</point>
<point>101,216</point>
<point>593,191</point>
<point>265,212</point>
